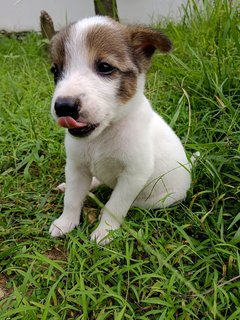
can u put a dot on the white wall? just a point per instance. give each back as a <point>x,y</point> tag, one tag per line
<point>149,11</point>
<point>22,15</point>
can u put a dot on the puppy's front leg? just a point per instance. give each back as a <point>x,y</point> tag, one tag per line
<point>78,181</point>
<point>115,210</point>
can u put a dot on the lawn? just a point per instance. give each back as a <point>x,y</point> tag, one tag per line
<point>182,262</point>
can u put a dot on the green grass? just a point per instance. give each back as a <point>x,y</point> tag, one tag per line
<point>179,263</point>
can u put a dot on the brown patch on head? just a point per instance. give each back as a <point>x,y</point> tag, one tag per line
<point>58,47</point>
<point>128,48</point>
<point>110,43</point>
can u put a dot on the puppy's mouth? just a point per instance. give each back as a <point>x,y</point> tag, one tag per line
<point>77,128</point>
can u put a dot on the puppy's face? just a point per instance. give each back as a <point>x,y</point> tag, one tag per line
<point>98,66</point>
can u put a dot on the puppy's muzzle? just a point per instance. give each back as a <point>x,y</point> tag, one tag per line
<point>67,110</point>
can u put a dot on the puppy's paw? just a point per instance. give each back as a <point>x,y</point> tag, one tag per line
<point>101,234</point>
<point>95,183</point>
<point>62,187</point>
<point>61,226</point>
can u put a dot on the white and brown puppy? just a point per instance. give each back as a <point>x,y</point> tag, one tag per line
<point>112,133</point>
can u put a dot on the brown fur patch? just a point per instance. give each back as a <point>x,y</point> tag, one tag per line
<point>109,44</point>
<point>112,45</point>
<point>127,87</point>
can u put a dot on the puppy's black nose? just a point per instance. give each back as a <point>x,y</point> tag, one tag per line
<point>67,106</point>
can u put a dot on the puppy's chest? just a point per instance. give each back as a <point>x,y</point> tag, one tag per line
<point>104,161</point>
<point>106,169</point>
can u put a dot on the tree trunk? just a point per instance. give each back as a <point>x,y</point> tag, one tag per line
<point>106,8</point>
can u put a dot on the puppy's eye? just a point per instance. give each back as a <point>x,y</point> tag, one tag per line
<point>55,71</point>
<point>104,68</point>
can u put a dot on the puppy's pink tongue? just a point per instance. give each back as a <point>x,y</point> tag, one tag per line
<point>70,123</point>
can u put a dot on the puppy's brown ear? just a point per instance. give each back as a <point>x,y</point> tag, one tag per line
<point>47,26</point>
<point>145,41</point>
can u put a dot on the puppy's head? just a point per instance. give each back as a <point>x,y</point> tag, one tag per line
<point>98,67</point>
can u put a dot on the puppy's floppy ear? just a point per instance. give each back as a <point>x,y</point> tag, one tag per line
<point>47,26</point>
<point>145,41</point>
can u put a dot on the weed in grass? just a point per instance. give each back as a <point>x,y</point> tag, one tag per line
<point>178,263</point>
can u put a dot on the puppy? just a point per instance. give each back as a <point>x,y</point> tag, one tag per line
<point>113,136</point>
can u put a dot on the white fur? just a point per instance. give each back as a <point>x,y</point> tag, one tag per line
<point>133,151</point>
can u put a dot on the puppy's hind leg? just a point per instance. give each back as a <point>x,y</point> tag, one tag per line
<point>94,185</point>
